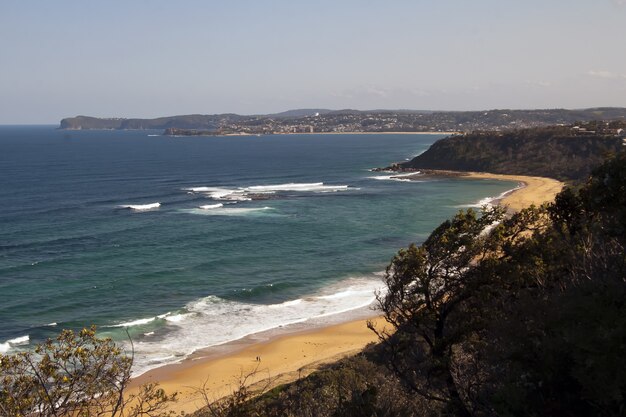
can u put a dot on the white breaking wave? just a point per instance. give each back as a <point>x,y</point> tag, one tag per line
<point>304,187</point>
<point>140,322</point>
<point>211,206</point>
<point>243,193</point>
<point>141,207</point>
<point>6,346</point>
<point>212,320</point>
<point>488,201</point>
<point>199,189</point>
<point>229,211</point>
<point>177,318</point>
<point>217,193</point>
<point>395,177</point>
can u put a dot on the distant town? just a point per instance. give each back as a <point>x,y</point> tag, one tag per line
<point>344,121</point>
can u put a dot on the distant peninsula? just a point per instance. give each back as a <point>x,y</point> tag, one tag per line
<point>342,121</point>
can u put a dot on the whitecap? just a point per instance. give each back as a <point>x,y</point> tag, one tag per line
<point>212,206</point>
<point>132,323</point>
<point>141,207</point>
<point>22,340</point>
<point>302,187</point>
<point>139,322</point>
<point>18,341</point>
<point>199,189</point>
<point>229,211</point>
<point>395,177</point>
<point>243,193</point>
<point>218,193</point>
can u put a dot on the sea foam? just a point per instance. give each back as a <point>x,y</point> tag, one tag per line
<point>212,320</point>
<point>247,193</point>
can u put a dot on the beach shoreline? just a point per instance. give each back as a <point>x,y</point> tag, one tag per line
<point>531,190</point>
<point>275,359</point>
<point>332,133</point>
<point>295,351</point>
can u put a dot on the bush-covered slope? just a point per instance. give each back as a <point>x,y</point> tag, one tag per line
<point>556,152</point>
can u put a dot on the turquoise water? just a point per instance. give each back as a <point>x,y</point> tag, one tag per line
<point>249,233</point>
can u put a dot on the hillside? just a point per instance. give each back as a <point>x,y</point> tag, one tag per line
<point>321,120</point>
<point>193,121</point>
<point>564,153</point>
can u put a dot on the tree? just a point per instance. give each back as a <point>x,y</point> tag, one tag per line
<point>427,285</point>
<point>78,374</point>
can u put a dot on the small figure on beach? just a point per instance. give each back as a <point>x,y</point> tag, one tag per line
<point>258,359</point>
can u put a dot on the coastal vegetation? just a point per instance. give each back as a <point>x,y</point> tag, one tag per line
<point>491,316</point>
<point>562,152</point>
<point>78,374</point>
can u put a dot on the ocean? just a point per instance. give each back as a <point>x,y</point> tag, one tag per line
<point>191,242</point>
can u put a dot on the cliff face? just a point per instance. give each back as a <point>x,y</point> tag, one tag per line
<point>194,121</point>
<point>548,152</point>
<point>86,122</point>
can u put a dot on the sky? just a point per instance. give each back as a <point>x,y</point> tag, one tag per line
<point>158,58</point>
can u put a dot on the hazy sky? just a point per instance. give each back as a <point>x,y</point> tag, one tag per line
<point>155,58</point>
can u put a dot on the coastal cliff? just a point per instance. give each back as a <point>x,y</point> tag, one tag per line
<point>193,121</point>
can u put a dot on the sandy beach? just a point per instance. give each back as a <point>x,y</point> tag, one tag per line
<point>285,357</point>
<point>533,190</point>
<point>282,359</point>
<point>337,133</point>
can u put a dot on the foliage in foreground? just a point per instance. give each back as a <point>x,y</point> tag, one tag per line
<point>77,374</point>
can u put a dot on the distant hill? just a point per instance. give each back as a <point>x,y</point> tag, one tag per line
<point>565,153</point>
<point>298,113</point>
<point>324,120</point>
<point>192,121</point>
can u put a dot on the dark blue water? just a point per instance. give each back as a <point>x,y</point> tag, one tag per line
<point>251,232</point>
